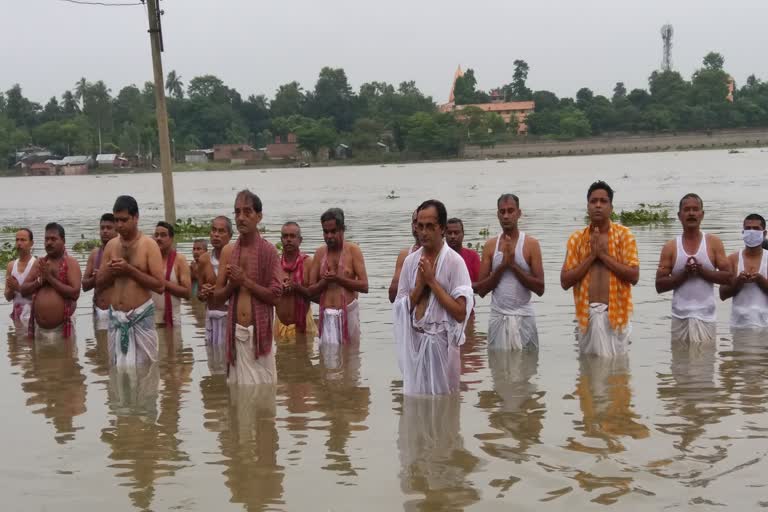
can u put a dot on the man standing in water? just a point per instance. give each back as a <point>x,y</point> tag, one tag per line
<point>434,301</point>
<point>133,267</point>
<point>749,287</point>
<point>401,258</point>
<point>691,265</point>
<point>199,247</point>
<point>100,297</point>
<point>208,270</point>
<point>16,275</point>
<point>294,314</point>
<point>176,279</point>
<point>601,266</point>
<point>511,269</point>
<point>248,278</point>
<point>454,237</point>
<point>338,276</point>
<point>55,285</point>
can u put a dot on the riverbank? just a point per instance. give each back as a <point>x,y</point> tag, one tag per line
<point>645,143</point>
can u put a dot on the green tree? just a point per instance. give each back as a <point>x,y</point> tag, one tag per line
<point>316,134</point>
<point>619,92</point>
<point>332,98</point>
<point>289,100</point>
<point>19,109</point>
<point>713,61</point>
<point>574,123</point>
<point>174,85</point>
<point>517,90</point>
<point>465,90</point>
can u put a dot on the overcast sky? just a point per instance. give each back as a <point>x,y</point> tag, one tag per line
<point>256,45</point>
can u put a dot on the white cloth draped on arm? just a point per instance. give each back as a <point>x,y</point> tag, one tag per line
<point>428,349</point>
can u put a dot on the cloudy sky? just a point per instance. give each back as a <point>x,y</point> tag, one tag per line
<point>256,45</point>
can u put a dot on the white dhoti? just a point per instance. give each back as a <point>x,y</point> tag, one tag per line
<point>216,327</point>
<point>333,324</point>
<point>693,331</point>
<point>100,319</point>
<point>248,369</point>
<point>133,391</point>
<point>132,336</point>
<point>51,335</point>
<point>510,331</point>
<point>601,339</point>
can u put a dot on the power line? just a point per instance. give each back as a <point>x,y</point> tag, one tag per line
<point>102,4</point>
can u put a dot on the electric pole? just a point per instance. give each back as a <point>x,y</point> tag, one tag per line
<point>166,165</point>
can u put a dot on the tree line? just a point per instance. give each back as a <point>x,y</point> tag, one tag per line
<point>90,118</point>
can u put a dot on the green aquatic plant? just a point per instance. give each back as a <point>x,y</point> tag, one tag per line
<point>646,215</point>
<point>190,228</point>
<point>485,232</point>
<point>8,253</point>
<point>9,229</point>
<point>86,245</point>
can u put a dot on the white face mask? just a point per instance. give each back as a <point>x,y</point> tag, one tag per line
<point>752,237</point>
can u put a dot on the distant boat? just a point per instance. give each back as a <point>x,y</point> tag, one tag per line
<point>501,161</point>
<point>304,164</point>
<point>392,195</point>
<point>734,151</point>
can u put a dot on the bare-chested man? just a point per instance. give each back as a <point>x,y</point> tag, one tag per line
<point>54,284</point>
<point>175,278</point>
<point>511,269</point>
<point>249,279</point>
<point>133,267</point>
<point>199,247</point>
<point>100,297</point>
<point>208,270</point>
<point>338,276</point>
<point>691,265</point>
<point>401,258</point>
<point>294,321</point>
<point>16,275</point>
<point>601,266</point>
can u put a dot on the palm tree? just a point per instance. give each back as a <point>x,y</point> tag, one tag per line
<point>81,90</point>
<point>174,85</point>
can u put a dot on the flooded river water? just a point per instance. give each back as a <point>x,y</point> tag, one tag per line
<point>660,428</point>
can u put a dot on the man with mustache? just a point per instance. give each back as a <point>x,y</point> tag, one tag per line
<point>749,288</point>
<point>511,269</point>
<point>691,265</point>
<point>208,270</point>
<point>16,275</point>
<point>294,320</point>
<point>100,297</point>
<point>178,284</point>
<point>404,253</point>
<point>249,279</point>
<point>55,284</point>
<point>338,277</point>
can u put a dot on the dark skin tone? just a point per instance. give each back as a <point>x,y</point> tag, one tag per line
<point>400,260</point>
<point>751,274</point>
<point>691,215</point>
<point>182,287</point>
<point>233,278</point>
<point>106,232</point>
<point>48,274</point>
<point>508,214</point>
<point>290,236</point>
<point>24,248</point>
<point>599,208</point>
<point>431,237</point>
<point>220,237</point>
<point>334,240</point>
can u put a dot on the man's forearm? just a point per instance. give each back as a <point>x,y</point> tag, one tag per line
<point>145,280</point>
<point>670,282</point>
<point>455,308</point>
<point>65,290</point>
<point>353,285</point>
<point>716,276</point>
<point>485,286</point>
<point>568,278</point>
<point>261,293</point>
<point>178,290</point>
<point>623,272</point>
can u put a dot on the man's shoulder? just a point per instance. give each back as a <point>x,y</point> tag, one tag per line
<point>204,258</point>
<point>470,254</point>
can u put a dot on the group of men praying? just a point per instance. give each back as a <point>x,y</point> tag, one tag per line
<point>255,295</point>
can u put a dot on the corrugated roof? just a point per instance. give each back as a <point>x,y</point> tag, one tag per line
<point>107,157</point>
<point>76,160</point>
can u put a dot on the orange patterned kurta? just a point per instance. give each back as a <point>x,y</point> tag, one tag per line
<point>623,247</point>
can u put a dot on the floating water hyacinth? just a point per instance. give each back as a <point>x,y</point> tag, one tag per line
<point>8,253</point>
<point>86,245</point>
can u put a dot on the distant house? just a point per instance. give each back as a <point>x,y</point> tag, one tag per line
<point>342,152</point>
<point>41,169</point>
<point>78,164</point>
<point>111,161</point>
<point>235,153</point>
<point>32,155</point>
<point>506,109</point>
<point>199,156</point>
<point>283,148</point>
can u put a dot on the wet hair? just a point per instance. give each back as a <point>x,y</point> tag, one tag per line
<point>690,195</point>
<point>442,213</point>
<point>456,220</point>
<point>107,217</point>
<point>756,216</point>
<point>55,226</point>
<point>126,204</point>
<point>336,214</point>
<point>29,232</point>
<point>600,185</point>
<point>202,241</point>
<point>507,197</point>
<point>255,201</point>
<point>163,224</point>
<point>293,223</point>
<point>226,220</point>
